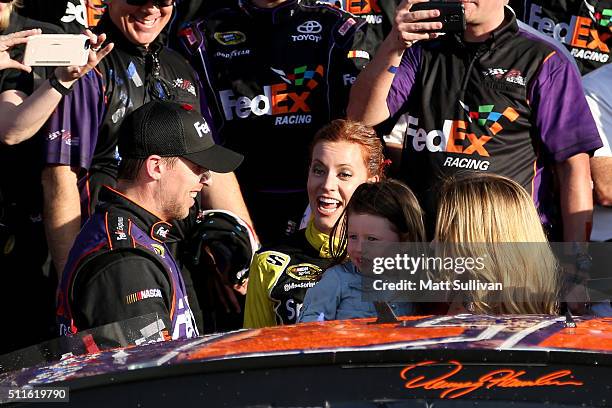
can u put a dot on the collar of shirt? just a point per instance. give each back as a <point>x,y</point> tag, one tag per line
<point>158,229</point>
<point>318,240</point>
<point>507,30</point>
<point>275,15</point>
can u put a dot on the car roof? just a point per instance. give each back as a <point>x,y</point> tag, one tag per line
<point>542,335</point>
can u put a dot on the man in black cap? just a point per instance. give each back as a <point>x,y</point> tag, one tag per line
<point>120,266</point>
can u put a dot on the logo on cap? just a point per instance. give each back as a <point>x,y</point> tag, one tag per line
<point>201,128</point>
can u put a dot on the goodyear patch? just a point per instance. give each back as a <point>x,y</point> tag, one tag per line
<point>230,37</point>
<point>304,272</point>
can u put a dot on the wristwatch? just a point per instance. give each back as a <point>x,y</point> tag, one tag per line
<point>57,85</point>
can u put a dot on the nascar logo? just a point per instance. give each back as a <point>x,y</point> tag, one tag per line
<point>143,294</point>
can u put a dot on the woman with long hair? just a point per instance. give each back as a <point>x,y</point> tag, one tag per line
<point>343,155</point>
<point>495,216</point>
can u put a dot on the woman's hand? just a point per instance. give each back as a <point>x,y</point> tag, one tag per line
<point>68,75</point>
<point>9,41</point>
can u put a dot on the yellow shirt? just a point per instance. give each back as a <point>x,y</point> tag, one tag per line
<point>280,277</point>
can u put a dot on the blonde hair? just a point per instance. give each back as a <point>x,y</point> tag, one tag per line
<point>5,15</point>
<point>488,210</point>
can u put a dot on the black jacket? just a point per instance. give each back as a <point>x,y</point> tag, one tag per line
<point>120,268</point>
<point>583,27</point>
<point>275,76</point>
<point>488,107</point>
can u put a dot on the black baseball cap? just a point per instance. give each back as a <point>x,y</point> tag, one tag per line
<point>170,129</point>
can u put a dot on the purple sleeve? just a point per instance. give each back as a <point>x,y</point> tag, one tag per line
<point>404,79</point>
<point>562,115</point>
<point>72,130</point>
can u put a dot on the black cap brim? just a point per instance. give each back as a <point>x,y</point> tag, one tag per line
<point>217,158</point>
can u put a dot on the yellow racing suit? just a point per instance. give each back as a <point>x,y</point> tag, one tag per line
<point>279,278</point>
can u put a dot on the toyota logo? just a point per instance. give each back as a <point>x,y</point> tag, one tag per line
<point>310,27</point>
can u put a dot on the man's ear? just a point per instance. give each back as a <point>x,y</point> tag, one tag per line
<point>154,167</point>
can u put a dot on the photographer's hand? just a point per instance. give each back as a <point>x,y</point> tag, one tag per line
<point>9,41</point>
<point>368,97</point>
<point>68,75</point>
<point>409,26</point>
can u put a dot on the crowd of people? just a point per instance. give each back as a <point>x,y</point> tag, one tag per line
<point>225,163</point>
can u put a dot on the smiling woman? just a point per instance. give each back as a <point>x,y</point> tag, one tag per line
<point>344,155</point>
<point>386,211</point>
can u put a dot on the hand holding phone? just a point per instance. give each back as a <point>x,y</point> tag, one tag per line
<point>417,20</point>
<point>56,50</point>
<point>452,14</point>
<point>9,41</point>
<point>68,74</point>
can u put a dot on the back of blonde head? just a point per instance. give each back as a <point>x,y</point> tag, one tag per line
<point>498,215</point>
<point>5,14</point>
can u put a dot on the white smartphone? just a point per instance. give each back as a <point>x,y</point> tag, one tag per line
<point>56,50</point>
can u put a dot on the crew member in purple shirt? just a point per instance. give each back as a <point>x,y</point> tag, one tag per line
<point>495,98</point>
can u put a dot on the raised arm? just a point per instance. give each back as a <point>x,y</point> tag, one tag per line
<point>368,98</point>
<point>22,116</point>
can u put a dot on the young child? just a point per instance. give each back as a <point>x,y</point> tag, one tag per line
<point>386,211</point>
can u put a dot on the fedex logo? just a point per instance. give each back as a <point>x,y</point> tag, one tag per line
<point>362,6</point>
<point>276,100</point>
<point>348,79</point>
<point>579,32</point>
<point>284,100</point>
<point>120,232</point>
<point>184,323</point>
<point>450,139</point>
<point>367,9</point>
<point>86,13</point>
<point>202,128</point>
<point>163,232</point>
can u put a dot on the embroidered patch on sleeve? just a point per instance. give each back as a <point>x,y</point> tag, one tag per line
<point>142,294</point>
